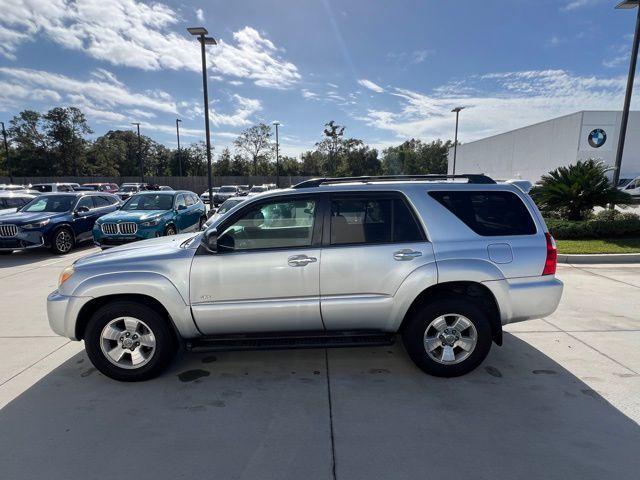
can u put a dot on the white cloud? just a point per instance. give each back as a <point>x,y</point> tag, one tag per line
<point>107,92</point>
<point>496,102</point>
<point>308,94</point>
<point>245,108</point>
<point>575,4</point>
<point>200,14</point>
<point>370,85</point>
<point>135,34</point>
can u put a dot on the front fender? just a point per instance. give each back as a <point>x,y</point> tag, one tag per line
<point>150,284</point>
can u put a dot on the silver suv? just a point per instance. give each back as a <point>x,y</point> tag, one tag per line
<point>443,261</point>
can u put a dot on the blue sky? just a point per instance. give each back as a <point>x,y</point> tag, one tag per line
<point>388,70</point>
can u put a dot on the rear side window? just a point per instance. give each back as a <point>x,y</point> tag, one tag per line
<point>359,220</point>
<point>489,214</point>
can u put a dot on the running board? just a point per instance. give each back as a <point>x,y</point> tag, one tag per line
<point>290,341</point>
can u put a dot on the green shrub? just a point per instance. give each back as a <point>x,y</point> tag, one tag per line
<point>605,224</point>
<point>571,192</point>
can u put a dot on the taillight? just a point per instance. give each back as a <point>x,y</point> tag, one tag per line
<point>552,256</point>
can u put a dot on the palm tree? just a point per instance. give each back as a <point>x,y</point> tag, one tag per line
<point>571,192</point>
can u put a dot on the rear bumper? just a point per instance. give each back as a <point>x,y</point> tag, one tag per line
<point>527,298</point>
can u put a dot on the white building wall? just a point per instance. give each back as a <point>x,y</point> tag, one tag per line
<point>532,151</point>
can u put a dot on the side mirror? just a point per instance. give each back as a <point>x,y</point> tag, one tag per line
<point>210,240</point>
<point>80,210</point>
<point>182,207</point>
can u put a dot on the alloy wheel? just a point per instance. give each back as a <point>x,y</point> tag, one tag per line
<point>450,338</point>
<point>127,342</point>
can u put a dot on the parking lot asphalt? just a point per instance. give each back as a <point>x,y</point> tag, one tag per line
<point>560,400</point>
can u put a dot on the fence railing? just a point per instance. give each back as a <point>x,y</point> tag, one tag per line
<point>195,184</point>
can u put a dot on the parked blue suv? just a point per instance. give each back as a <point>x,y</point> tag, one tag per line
<point>148,215</point>
<point>58,221</point>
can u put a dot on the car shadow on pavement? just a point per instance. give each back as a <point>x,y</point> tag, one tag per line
<point>281,415</point>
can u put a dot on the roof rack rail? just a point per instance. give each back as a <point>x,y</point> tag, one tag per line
<point>316,182</point>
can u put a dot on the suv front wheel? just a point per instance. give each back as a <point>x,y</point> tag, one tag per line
<point>448,337</point>
<point>129,341</point>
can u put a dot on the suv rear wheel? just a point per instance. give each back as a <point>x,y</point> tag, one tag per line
<point>448,337</point>
<point>129,341</point>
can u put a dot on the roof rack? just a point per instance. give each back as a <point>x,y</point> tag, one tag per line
<point>316,182</point>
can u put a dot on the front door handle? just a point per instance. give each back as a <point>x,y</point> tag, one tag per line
<point>300,260</point>
<point>406,254</point>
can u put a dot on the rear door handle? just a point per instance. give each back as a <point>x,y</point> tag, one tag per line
<point>406,254</point>
<point>300,260</point>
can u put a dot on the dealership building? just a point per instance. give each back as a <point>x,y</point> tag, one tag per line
<point>529,152</point>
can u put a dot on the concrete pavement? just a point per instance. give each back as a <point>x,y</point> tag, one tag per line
<point>560,400</point>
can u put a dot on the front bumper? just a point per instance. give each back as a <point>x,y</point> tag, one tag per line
<point>62,311</point>
<point>24,240</point>
<point>107,241</point>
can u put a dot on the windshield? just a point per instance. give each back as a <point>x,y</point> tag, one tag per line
<point>227,189</point>
<point>130,188</point>
<point>257,189</point>
<point>228,205</point>
<point>50,203</point>
<point>149,202</point>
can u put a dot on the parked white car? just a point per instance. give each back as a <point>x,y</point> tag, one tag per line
<point>632,187</point>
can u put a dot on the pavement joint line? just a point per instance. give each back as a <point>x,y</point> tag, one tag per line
<point>33,268</point>
<point>603,276</point>
<point>34,363</point>
<point>333,443</point>
<point>571,331</point>
<point>592,348</point>
<point>30,336</point>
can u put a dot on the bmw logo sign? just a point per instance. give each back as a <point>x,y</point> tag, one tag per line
<point>597,137</point>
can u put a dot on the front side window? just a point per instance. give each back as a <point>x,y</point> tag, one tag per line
<point>85,202</point>
<point>50,203</point>
<point>101,202</point>
<point>488,214</point>
<point>283,224</point>
<point>180,201</point>
<point>149,202</point>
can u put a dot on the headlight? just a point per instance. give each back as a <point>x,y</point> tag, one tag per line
<point>65,275</point>
<point>37,224</point>
<point>151,223</point>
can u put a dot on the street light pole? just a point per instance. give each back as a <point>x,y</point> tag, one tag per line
<point>202,33</point>
<point>6,151</point>
<point>277,124</point>
<point>179,155</point>
<point>140,162</point>
<point>455,141</point>
<point>627,4</point>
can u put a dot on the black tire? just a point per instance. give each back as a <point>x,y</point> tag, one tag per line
<point>170,230</point>
<point>165,341</point>
<point>62,241</point>
<point>414,333</point>
<point>202,221</point>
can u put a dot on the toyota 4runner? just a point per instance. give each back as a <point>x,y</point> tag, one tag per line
<point>442,261</point>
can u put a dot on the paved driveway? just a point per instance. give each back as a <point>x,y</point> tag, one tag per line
<point>560,400</point>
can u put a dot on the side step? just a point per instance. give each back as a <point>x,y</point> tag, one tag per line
<point>281,341</point>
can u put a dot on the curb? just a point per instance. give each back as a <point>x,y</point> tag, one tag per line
<point>600,258</point>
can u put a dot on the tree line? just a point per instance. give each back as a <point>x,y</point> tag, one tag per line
<point>56,143</point>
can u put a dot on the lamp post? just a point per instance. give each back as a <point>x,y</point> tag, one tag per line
<point>627,4</point>
<point>202,33</point>
<point>178,121</point>
<point>6,151</point>
<point>455,141</point>
<point>277,124</point>
<point>140,162</point>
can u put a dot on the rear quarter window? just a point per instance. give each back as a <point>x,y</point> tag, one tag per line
<point>488,213</point>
